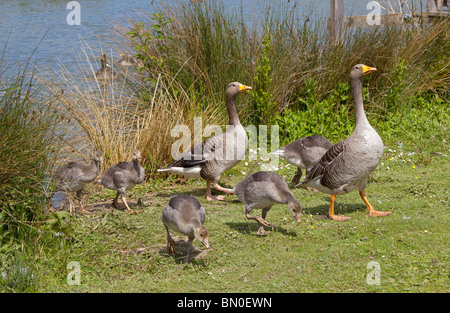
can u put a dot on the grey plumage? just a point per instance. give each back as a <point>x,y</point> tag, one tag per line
<point>73,176</point>
<point>348,164</point>
<point>262,190</point>
<point>185,214</point>
<point>304,153</point>
<point>128,60</point>
<point>105,72</point>
<point>122,177</point>
<point>217,154</point>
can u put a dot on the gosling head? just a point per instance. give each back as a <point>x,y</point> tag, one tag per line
<point>98,157</point>
<point>202,235</point>
<point>136,156</point>
<point>296,210</point>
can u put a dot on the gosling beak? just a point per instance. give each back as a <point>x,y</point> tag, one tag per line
<point>367,69</point>
<point>244,88</point>
<point>299,218</point>
<point>206,243</point>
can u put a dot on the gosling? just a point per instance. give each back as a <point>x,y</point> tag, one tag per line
<point>122,177</point>
<point>185,214</point>
<point>262,190</point>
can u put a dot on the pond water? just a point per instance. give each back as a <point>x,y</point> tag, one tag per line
<point>40,27</point>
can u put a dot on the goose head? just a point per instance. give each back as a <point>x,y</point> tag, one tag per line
<point>98,157</point>
<point>359,70</point>
<point>234,88</point>
<point>202,235</point>
<point>136,156</point>
<point>296,210</point>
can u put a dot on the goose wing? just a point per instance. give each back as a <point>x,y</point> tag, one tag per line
<point>330,169</point>
<point>199,153</point>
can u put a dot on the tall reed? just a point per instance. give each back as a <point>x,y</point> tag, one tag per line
<point>122,114</point>
<point>189,53</point>
<point>28,150</point>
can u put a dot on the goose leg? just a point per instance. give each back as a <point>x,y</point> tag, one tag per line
<point>82,210</point>
<point>170,242</point>
<point>261,231</point>
<point>331,214</point>
<point>370,210</point>
<point>122,197</point>
<point>260,220</point>
<point>297,176</point>
<point>188,249</point>
<point>115,204</point>
<point>226,190</point>
<point>210,197</point>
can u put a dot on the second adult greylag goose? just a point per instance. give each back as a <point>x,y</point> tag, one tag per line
<point>348,164</point>
<point>73,176</point>
<point>185,214</point>
<point>304,153</point>
<point>210,158</point>
<point>122,177</point>
<point>262,190</point>
<point>105,72</point>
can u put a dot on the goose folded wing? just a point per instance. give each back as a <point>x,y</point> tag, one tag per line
<point>199,153</point>
<point>328,168</point>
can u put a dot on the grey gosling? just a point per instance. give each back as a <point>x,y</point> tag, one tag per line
<point>262,190</point>
<point>73,177</point>
<point>304,153</point>
<point>122,177</point>
<point>217,154</point>
<point>348,164</point>
<point>185,214</point>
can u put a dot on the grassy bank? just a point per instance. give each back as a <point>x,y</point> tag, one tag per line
<point>118,252</point>
<point>300,82</point>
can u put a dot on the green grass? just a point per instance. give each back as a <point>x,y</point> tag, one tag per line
<point>189,57</point>
<point>318,255</point>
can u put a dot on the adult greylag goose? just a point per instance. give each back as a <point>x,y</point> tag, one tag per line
<point>185,215</point>
<point>210,158</point>
<point>262,190</point>
<point>348,164</point>
<point>122,177</point>
<point>304,153</point>
<point>73,176</point>
<point>105,71</point>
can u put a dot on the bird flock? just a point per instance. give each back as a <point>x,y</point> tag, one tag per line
<point>332,169</point>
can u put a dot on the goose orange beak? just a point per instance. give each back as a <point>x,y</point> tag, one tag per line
<point>244,88</point>
<point>367,69</point>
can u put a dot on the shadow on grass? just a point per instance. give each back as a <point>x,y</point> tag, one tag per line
<point>196,256</point>
<point>251,228</point>
<point>339,208</point>
<point>200,192</point>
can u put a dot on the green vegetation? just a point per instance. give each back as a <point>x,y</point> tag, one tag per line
<point>300,82</point>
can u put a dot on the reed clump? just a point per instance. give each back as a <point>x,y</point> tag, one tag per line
<point>187,55</point>
<point>202,48</point>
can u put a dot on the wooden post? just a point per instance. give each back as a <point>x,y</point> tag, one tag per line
<point>434,6</point>
<point>336,20</point>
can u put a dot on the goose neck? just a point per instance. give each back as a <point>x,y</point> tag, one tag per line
<point>360,116</point>
<point>233,118</point>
